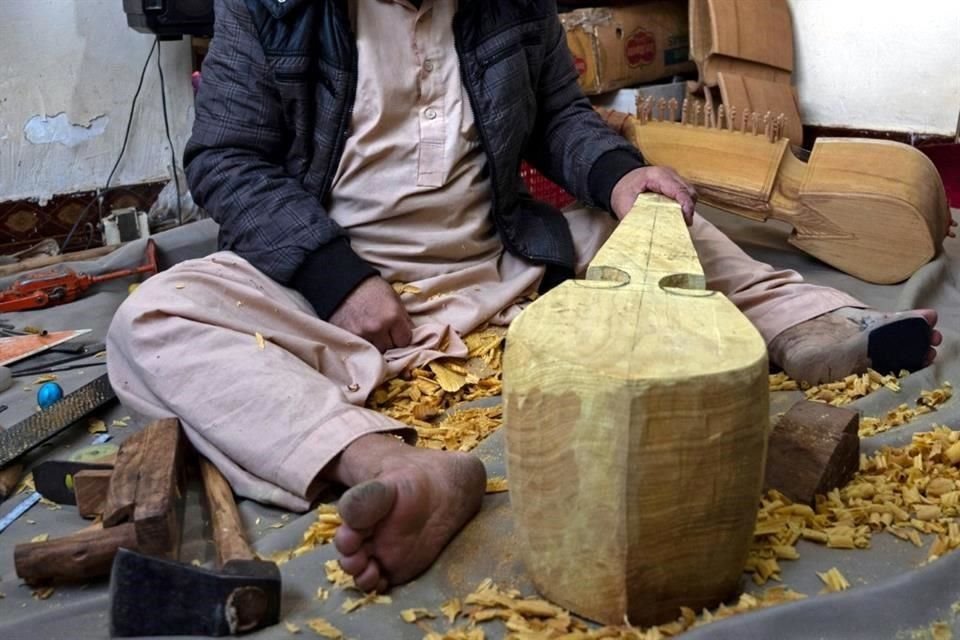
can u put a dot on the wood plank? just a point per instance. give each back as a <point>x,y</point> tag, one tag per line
<point>158,487</point>
<point>91,489</point>
<point>759,31</point>
<point>636,404</point>
<point>79,557</point>
<point>225,523</point>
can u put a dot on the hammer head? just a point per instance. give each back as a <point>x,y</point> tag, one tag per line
<point>156,597</point>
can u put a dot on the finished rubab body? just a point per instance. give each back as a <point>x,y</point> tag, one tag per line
<point>636,405</point>
<point>871,208</point>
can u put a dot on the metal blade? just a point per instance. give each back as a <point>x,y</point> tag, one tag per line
<point>157,597</point>
<point>42,426</point>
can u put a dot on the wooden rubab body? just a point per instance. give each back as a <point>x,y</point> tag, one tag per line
<point>636,405</point>
<point>872,208</point>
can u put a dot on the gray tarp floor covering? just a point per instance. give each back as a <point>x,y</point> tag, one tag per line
<point>892,594</point>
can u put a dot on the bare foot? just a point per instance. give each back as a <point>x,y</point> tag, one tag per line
<point>849,340</point>
<point>407,505</point>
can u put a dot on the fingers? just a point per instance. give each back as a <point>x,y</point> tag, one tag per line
<point>673,187</point>
<point>401,332</point>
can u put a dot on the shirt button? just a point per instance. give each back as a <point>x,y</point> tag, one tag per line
<point>430,114</point>
<point>428,66</point>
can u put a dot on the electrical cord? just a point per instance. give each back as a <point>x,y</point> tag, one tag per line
<point>123,148</point>
<point>166,127</point>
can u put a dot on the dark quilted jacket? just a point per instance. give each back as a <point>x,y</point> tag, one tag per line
<point>274,109</point>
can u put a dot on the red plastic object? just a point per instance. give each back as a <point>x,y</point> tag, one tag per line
<point>543,189</point>
<point>946,157</point>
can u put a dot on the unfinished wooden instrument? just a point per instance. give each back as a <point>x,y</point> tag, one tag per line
<point>743,50</point>
<point>636,408</point>
<point>871,208</point>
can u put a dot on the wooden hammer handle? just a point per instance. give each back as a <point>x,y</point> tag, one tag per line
<point>224,517</point>
<point>75,558</point>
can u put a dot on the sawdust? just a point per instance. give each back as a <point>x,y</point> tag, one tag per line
<point>854,387</point>
<point>324,629</point>
<point>423,397</point>
<point>904,491</point>
<point>318,534</point>
<point>531,618</point>
<point>497,484</point>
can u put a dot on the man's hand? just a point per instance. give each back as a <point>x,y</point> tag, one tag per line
<point>662,180</point>
<point>374,312</point>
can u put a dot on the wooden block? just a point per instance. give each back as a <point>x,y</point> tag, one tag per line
<point>636,409</point>
<point>158,488</point>
<point>122,492</point>
<point>79,557</point>
<point>91,489</point>
<point>814,448</point>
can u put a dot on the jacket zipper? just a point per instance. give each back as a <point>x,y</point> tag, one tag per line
<point>344,123</point>
<point>484,142</point>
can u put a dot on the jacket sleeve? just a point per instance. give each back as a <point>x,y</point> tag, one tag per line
<point>570,143</point>
<point>234,164</point>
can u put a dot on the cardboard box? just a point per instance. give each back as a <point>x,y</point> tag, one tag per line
<point>616,47</point>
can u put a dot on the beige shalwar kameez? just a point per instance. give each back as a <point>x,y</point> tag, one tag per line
<point>412,191</point>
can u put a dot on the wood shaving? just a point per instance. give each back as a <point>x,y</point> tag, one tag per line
<point>928,402</point>
<point>317,534</point>
<point>834,580</point>
<point>451,609</point>
<point>291,628</point>
<point>352,604</point>
<point>95,425</point>
<point>322,594</point>
<point>497,484</point>
<point>904,491</point>
<point>412,615</point>
<point>43,537</point>
<point>536,619</point>
<point>402,288</point>
<point>179,285</point>
<point>324,629</point>
<point>26,484</point>
<point>122,422</point>
<point>261,343</point>
<point>337,576</point>
<point>423,397</point>
<point>47,377</point>
<point>42,593</point>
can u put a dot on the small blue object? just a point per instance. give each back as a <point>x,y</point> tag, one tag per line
<point>49,394</point>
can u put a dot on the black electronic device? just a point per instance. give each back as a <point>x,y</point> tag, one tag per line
<point>170,19</point>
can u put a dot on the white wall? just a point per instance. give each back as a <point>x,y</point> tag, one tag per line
<point>887,65</point>
<point>68,71</point>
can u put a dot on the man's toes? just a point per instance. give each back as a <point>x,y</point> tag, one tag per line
<point>348,540</point>
<point>936,338</point>
<point>355,564</point>
<point>366,504</point>
<point>931,356</point>
<point>370,579</point>
<point>929,315</point>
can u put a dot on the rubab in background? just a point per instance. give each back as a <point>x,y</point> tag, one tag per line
<point>636,405</point>
<point>872,208</point>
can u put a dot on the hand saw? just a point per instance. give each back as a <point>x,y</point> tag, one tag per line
<point>40,427</point>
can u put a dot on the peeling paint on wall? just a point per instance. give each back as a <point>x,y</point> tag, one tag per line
<point>59,129</point>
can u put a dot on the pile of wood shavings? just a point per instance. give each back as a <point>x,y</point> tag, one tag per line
<point>841,392</point>
<point>904,491</point>
<point>422,397</point>
<point>854,387</point>
<point>319,533</point>
<point>537,619</point>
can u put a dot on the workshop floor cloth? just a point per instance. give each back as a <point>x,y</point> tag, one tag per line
<point>894,591</point>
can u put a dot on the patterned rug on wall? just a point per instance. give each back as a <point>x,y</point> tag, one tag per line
<point>24,223</point>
